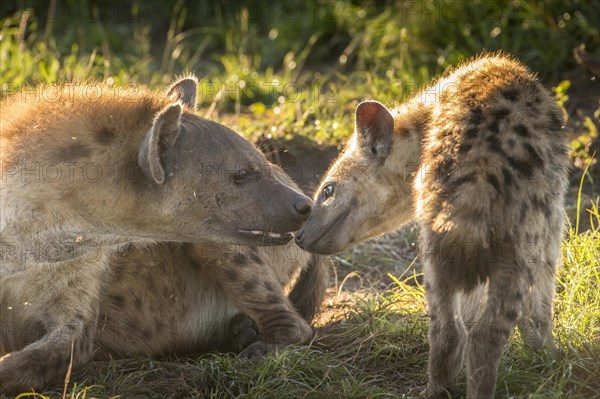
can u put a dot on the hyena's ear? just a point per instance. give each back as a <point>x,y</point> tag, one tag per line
<point>374,126</point>
<point>161,136</point>
<point>184,90</point>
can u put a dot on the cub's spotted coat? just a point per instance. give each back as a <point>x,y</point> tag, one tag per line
<point>479,159</point>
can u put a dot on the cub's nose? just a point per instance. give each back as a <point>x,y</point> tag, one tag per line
<point>303,206</point>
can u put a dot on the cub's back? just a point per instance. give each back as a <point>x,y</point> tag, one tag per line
<point>495,155</point>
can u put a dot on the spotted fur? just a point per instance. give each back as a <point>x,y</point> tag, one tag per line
<point>175,298</point>
<point>479,160</point>
<point>88,170</point>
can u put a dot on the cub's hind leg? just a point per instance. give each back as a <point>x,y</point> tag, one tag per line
<point>536,324</point>
<point>504,304</point>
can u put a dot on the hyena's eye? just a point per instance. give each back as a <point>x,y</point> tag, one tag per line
<point>240,176</point>
<point>328,191</point>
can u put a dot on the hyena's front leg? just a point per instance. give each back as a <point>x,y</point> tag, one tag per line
<point>46,361</point>
<point>489,335</point>
<point>447,336</point>
<point>61,303</point>
<point>255,290</point>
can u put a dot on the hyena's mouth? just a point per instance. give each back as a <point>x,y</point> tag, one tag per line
<point>259,237</point>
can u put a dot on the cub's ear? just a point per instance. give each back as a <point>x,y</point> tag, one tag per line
<point>184,90</point>
<point>159,138</point>
<point>374,126</point>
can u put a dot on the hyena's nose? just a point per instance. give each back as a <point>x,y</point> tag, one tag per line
<point>303,206</point>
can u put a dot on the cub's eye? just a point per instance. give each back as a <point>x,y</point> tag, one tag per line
<point>328,191</point>
<point>240,176</point>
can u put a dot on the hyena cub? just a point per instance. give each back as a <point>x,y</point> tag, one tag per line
<point>88,169</point>
<point>479,159</point>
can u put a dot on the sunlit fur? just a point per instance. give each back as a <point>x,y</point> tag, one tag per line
<point>88,170</point>
<point>479,160</point>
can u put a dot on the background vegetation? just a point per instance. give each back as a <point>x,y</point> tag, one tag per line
<point>292,72</point>
<point>290,61</point>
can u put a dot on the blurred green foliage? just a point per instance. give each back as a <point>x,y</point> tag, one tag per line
<point>389,36</point>
<point>300,65</point>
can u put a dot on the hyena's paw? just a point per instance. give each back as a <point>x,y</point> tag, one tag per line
<point>258,350</point>
<point>21,372</point>
<point>297,331</point>
<point>273,339</point>
<point>242,332</point>
<point>429,393</point>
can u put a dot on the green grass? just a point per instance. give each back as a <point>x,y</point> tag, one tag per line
<point>378,349</point>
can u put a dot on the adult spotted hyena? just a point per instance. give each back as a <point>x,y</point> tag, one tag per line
<point>479,159</point>
<point>174,298</point>
<point>88,169</point>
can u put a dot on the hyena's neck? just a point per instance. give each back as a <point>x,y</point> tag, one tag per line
<point>411,121</point>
